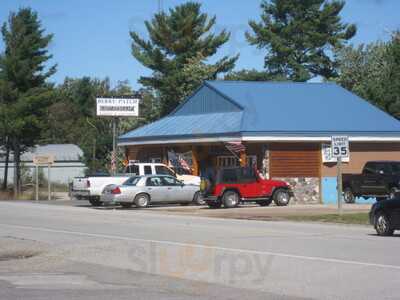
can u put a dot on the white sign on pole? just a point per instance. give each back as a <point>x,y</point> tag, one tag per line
<point>117,107</point>
<point>327,156</point>
<point>340,147</point>
<point>43,159</point>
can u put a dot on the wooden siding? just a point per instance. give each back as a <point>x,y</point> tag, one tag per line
<point>295,160</point>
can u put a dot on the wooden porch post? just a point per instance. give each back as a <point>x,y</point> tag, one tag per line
<point>243,159</point>
<point>195,159</point>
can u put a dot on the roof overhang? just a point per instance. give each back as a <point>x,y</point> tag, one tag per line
<point>284,138</point>
<point>179,141</point>
<point>258,138</point>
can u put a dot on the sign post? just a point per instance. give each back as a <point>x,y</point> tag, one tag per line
<point>43,160</point>
<point>116,107</point>
<point>37,182</point>
<point>340,150</point>
<point>49,181</point>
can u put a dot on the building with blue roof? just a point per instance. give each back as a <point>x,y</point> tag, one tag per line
<point>286,128</point>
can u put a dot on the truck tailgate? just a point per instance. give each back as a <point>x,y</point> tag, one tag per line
<point>79,184</point>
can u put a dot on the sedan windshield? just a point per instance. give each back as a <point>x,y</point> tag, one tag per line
<point>132,181</point>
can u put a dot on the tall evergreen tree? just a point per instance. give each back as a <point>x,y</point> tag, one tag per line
<point>24,93</point>
<point>393,83</point>
<point>175,38</point>
<point>373,72</point>
<point>299,36</point>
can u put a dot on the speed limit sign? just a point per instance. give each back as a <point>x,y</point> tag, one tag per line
<point>340,150</point>
<point>340,147</point>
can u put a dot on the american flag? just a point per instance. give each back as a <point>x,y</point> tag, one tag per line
<point>235,147</point>
<point>184,164</point>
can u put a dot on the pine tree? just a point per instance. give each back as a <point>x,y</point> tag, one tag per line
<point>177,37</point>
<point>299,36</point>
<point>24,93</point>
<point>372,71</point>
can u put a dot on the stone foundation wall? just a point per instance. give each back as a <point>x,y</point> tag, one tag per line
<point>306,189</point>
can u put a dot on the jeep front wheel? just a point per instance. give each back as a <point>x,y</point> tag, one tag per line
<point>281,198</point>
<point>230,199</point>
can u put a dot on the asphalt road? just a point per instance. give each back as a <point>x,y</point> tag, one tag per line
<point>85,253</point>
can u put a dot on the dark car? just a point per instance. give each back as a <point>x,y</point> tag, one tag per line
<point>379,179</point>
<point>232,186</point>
<point>385,216</point>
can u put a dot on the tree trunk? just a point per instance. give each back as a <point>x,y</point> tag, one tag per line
<point>17,168</point>
<point>5,181</point>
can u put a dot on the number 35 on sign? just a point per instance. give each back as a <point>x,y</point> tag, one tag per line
<point>340,147</point>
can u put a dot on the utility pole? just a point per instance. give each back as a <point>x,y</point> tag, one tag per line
<point>160,6</point>
<point>114,152</point>
<point>94,144</point>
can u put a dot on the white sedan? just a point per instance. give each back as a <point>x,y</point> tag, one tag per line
<point>144,190</point>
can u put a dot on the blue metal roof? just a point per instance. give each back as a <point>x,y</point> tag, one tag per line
<point>223,108</point>
<point>304,107</point>
<point>189,126</point>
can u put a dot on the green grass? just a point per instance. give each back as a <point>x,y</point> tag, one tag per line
<point>347,218</point>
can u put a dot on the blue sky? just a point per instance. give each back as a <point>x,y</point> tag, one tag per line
<point>92,37</point>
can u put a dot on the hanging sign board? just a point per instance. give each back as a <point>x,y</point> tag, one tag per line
<point>327,156</point>
<point>117,107</point>
<point>43,159</point>
<point>340,147</point>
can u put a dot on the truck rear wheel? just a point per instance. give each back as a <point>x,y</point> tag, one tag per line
<point>348,195</point>
<point>94,201</point>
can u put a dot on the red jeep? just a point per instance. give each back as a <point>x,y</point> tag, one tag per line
<point>234,185</point>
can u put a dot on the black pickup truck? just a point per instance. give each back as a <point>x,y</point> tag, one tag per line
<point>379,179</point>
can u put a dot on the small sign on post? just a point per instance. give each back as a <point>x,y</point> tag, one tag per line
<point>340,151</point>
<point>43,160</point>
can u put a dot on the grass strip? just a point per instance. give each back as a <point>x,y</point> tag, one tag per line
<point>347,218</point>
